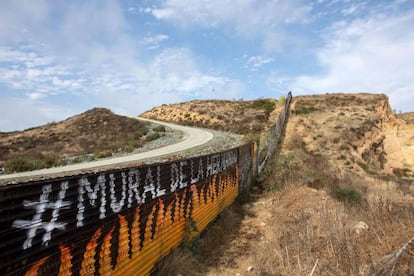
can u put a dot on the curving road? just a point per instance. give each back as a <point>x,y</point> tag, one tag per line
<point>192,137</point>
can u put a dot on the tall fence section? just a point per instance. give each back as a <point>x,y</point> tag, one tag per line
<point>273,136</point>
<point>120,221</point>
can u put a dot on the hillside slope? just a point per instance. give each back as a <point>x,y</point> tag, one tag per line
<point>338,201</point>
<point>97,131</point>
<point>358,132</point>
<point>241,117</point>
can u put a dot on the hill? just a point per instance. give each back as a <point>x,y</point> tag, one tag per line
<point>98,132</point>
<point>358,132</point>
<point>241,117</point>
<point>338,199</point>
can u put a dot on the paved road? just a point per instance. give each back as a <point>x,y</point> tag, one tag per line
<point>192,137</point>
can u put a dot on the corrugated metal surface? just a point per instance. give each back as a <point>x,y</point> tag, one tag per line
<point>117,222</point>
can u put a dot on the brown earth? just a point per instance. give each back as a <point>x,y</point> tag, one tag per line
<point>241,117</point>
<point>339,199</point>
<point>407,116</point>
<point>97,131</point>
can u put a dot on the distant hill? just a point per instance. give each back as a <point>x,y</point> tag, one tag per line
<point>241,117</point>
<point>97,131</point>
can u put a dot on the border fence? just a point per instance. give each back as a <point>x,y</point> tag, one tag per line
<point>121,221</point>
<point>273,136</point>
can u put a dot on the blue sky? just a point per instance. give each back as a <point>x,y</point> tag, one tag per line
<point>60,58</point>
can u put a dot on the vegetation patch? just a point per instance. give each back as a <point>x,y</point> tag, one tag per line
<point>265,104</point>
<point>22,164</point>
<point>159,128</point>
<point>103,154</point>
<point>152,136</point>
<point>304,110</point>
<point>349,195</point>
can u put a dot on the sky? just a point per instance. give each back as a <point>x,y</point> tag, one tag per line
<point>61,58</point>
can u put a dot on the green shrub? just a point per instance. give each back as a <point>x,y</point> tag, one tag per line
<point>159,128</point>
<point>51,160</point>
<point>304,110</point>
<point>103,154</point>
<point>349,195</point>
<point>265,104</point>
<point>21,164</point>
<point>342,157</point>
<point>153,136</point>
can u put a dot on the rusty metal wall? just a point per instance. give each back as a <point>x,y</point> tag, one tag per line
<point>115,222</point>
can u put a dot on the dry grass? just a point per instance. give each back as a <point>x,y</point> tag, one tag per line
<point>178,262</point>
<point>322,232</point>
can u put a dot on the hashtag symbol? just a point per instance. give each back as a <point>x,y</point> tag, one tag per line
<point>32,226</point>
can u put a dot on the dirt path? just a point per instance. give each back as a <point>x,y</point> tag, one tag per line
<point>239,256</point>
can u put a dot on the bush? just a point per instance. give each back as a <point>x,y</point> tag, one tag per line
<point>152,136</point>
<point>103,154</point>
<point>265,104</point>
<point>159,128</point>
<point>342,157</point>
<point>51,160</point>
<point>349,195</point>
<point>21,164</point>
<point>304,110</point>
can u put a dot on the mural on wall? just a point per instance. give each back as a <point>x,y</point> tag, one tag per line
<point>115,221</point>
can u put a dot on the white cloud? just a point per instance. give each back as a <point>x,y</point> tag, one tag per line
<point>248,18</point>
<point>353,8</point>
<point>30,71</point>
<point>153,42</point>
<point>375,54</point>
<point>255,62</point>
<point>175,71</point>
<point>36,95</point>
